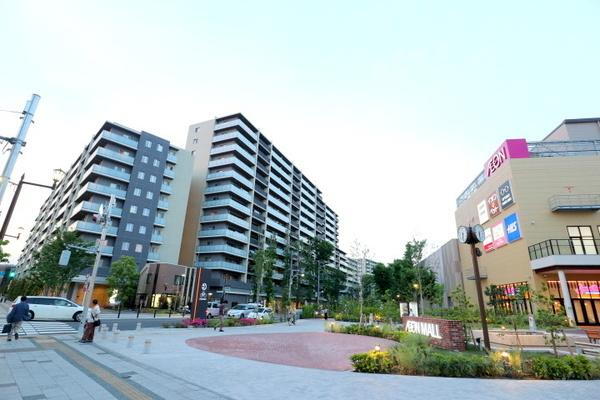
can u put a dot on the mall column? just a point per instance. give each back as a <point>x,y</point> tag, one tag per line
<point>564,288</point>
<point>200,295</point>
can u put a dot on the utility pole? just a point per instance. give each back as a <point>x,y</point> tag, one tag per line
<point>17,143</point>
<point>104,219</point>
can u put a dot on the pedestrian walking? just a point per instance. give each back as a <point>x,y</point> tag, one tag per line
<point>16,316</point>
<point>91,322</point>
<point>222,312</point>
<point>326,314</point>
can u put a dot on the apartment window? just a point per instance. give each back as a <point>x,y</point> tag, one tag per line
<point>195,141</point>
<point>142,230</point>
<point>152,179</point>
<point>129,227</point>
<point>133,209</point>
<point>156,163</point>
<point>145,159</point>
<point>125,246</point>
<point>141,175</point>
<point>159,147</point>
<point>582,239</point>
<point>137,192</point>
<point>149,195</point>
<point>146,212</point>
<point>148,144</point>
<point>138,248</point>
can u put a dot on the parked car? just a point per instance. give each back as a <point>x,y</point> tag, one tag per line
<point>212,309</point>
<point>261,313</point>
<point>242,310</point>
<point>47,307</point>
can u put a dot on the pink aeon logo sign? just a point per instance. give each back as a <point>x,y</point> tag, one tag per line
<point>511,148</point>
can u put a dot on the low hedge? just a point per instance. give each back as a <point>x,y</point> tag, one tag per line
<point>565,367</point>
<point>382,331</point>
<point>372,362</point>
<point>215,322</point>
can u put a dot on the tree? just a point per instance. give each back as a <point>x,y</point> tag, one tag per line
<point>334,281</point>
<point>548,317</point>
<point>55,276</point>
<point>264,263</point>
<point>3,256</point>
<point>314,256</point>
<point>123,279</point>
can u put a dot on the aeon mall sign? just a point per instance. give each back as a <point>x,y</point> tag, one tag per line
<point>511,148</point>
<point>424,328</point>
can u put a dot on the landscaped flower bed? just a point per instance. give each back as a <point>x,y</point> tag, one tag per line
<point>215,322</point>
<point>415,356</point>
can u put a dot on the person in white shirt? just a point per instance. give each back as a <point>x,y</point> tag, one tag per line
<point>91,322</point>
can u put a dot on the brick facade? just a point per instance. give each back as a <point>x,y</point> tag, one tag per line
<point>451,331</point>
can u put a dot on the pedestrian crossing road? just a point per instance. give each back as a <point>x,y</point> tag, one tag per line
<point>34,328</point>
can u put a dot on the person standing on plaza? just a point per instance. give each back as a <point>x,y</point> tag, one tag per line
<point>16,316</point>
<point>91,322</point>
<point>222,312</point>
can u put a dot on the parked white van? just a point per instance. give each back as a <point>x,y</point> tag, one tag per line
<point>46,307</point>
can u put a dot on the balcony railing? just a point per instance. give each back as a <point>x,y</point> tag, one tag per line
<point>225,217</point>
<point>227,203</point>
<point>230,174</point>
<point>233,135</point>
<point>108,172</point>
<point>228,188</point>
<point>113,155</point>
<point>172,158</point>
<point>231,160</point>
<point>222,248</point>
<point>119,139</point>
<point>159,221</point>
<point>163,204</point>
<point>234,147</point>
<point>566,247</point>
<point>92,227</point>
<point>169,173</point>
<point>153,256</point>
<point>102,189</point>
<point>166,189</point>
<point>156,239</point>
<point>574,202</point>
<point>223,233</point>
<point>223,265</point>
<point>90,207</point>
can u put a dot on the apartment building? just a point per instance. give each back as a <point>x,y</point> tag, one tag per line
<point>538,202</point>
<point>150,179</point>
<point>445,262</point>
<point>245,192</point>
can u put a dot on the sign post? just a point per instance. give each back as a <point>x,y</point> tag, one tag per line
<point>200,294</point>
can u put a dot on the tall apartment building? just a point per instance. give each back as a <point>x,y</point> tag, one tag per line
<point>150,179</point>
<point>245,191</point>
<point>538,203</point>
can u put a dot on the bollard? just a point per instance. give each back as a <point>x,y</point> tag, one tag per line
<point>170,311</point>
<point>115,337</point>
<point>155,313</point>
<point>147,344</point>
<point>130,341</point>
<point>138,312</point>
<point>138,326</point>
<point>115,326</point>
<point>103,330</point>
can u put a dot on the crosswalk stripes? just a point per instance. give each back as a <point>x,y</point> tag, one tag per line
<point>33,328</point>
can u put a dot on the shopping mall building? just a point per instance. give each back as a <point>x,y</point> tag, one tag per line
<point>538,202</point>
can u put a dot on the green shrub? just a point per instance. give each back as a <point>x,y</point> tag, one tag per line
<point>459,365</point>
<point>378,362</point>
<point>565,367</point>
<point>308,311</point>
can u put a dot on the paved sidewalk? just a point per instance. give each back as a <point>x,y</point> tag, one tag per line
<point>241,379</point>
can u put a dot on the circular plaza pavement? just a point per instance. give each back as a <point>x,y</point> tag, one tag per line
<point>321,350</point>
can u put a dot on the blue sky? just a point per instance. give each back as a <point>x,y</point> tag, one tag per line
<point>391,108</point>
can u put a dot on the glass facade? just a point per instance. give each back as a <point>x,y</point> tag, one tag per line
<point>585,296</point>
<point>510,297</point>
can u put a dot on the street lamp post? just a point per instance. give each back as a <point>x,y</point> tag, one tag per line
<point>471,236</point>
<point>104,219</point>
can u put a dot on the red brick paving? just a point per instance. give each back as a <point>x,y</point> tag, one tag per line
<point>321,350</point>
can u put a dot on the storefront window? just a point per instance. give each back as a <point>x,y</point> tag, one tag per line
<point>582,239</point>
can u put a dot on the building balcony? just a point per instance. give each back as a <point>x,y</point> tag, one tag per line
<point>222,248</point>
<point>107,172</point>
<point>102,190</point>
<point>259,203</point>
<point>230,174</point>
<point>159,221</point>
<point>217,138</point>
<point>234,123</point>
<point>226,218</point>
<point>276,225</point>
<point>228,188</point>
<point>93,208</point>
<point>153,257</point>
<point>106,251</point>
<point>564,253</point>
<point>172,158</point>
<point>221,265</point>
<point>227,203</point>
<point>231,161</point>
<point>287,168</point>
<point>163,204</point>
<point>156,239</point>
<point>169,173</point>
<point>574,202</point>
<point>102,152</point>
<point>91,227</point>
<point>280,193</point>
<point>279,215</point>
<point>259,190</point>
<point>281,171</point>
<point>279,204</point>
<point>166,189</point>
<point>228,233</point>
<point>231,148</point>
<point>281,182</point>
<point>108,136</point>
<point>469,273</point>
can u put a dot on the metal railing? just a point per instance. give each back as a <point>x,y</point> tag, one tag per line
<point>567,247</point>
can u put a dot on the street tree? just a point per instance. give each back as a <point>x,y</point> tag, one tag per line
<point>56,277</point>
<point>264,263</point>
<point>314,257</point>
<point>123,279</point>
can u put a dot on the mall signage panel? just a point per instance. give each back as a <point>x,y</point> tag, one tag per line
<point>513,230</point>
<point>506,196</point>
<point>499,235</point>
<point>488,243</point>
<point>443,333</point>
<point>493,205</point>
<point>482,212</point>
<point>511,148</point>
